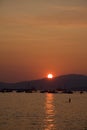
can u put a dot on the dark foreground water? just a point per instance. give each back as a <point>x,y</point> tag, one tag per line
<point>36,111</point>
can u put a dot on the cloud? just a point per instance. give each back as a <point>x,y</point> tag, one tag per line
<point>63,18</point>
<point>43,13</point>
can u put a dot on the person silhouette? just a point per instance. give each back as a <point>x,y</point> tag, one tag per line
<point>69,100</point>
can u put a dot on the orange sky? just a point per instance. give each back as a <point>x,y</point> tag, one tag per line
<point>38,37</point>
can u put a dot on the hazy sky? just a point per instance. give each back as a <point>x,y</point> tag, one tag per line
<point>42,36</point>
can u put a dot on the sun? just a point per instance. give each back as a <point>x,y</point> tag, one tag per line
<point>50,76</point>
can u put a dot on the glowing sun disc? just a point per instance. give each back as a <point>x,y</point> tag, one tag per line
<point>50,76</point>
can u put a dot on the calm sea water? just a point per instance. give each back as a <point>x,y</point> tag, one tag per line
<point>36,111</point>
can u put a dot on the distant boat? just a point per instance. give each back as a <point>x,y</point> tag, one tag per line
<point>19,91</point>
<point>6,90</point>
<point>48,91</point>
<point>43,91</point>
<point>52,91</point>
<point>81,92</point>
<point>28,91</point>
<point>68,91</point>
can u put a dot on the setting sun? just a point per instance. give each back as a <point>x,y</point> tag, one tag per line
<point>50,76</point>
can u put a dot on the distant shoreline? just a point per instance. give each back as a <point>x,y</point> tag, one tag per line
<point>65,83</point>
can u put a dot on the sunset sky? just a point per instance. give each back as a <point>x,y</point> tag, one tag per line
<point>38,37</point>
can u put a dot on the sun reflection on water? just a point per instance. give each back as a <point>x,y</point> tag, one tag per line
<point>50,112</point>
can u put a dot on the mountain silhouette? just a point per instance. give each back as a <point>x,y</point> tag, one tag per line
<point>74,82</point>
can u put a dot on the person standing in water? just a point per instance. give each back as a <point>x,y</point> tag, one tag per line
<point>69,100</point>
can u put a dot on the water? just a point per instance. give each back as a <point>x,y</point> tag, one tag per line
<point>37,111</point>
